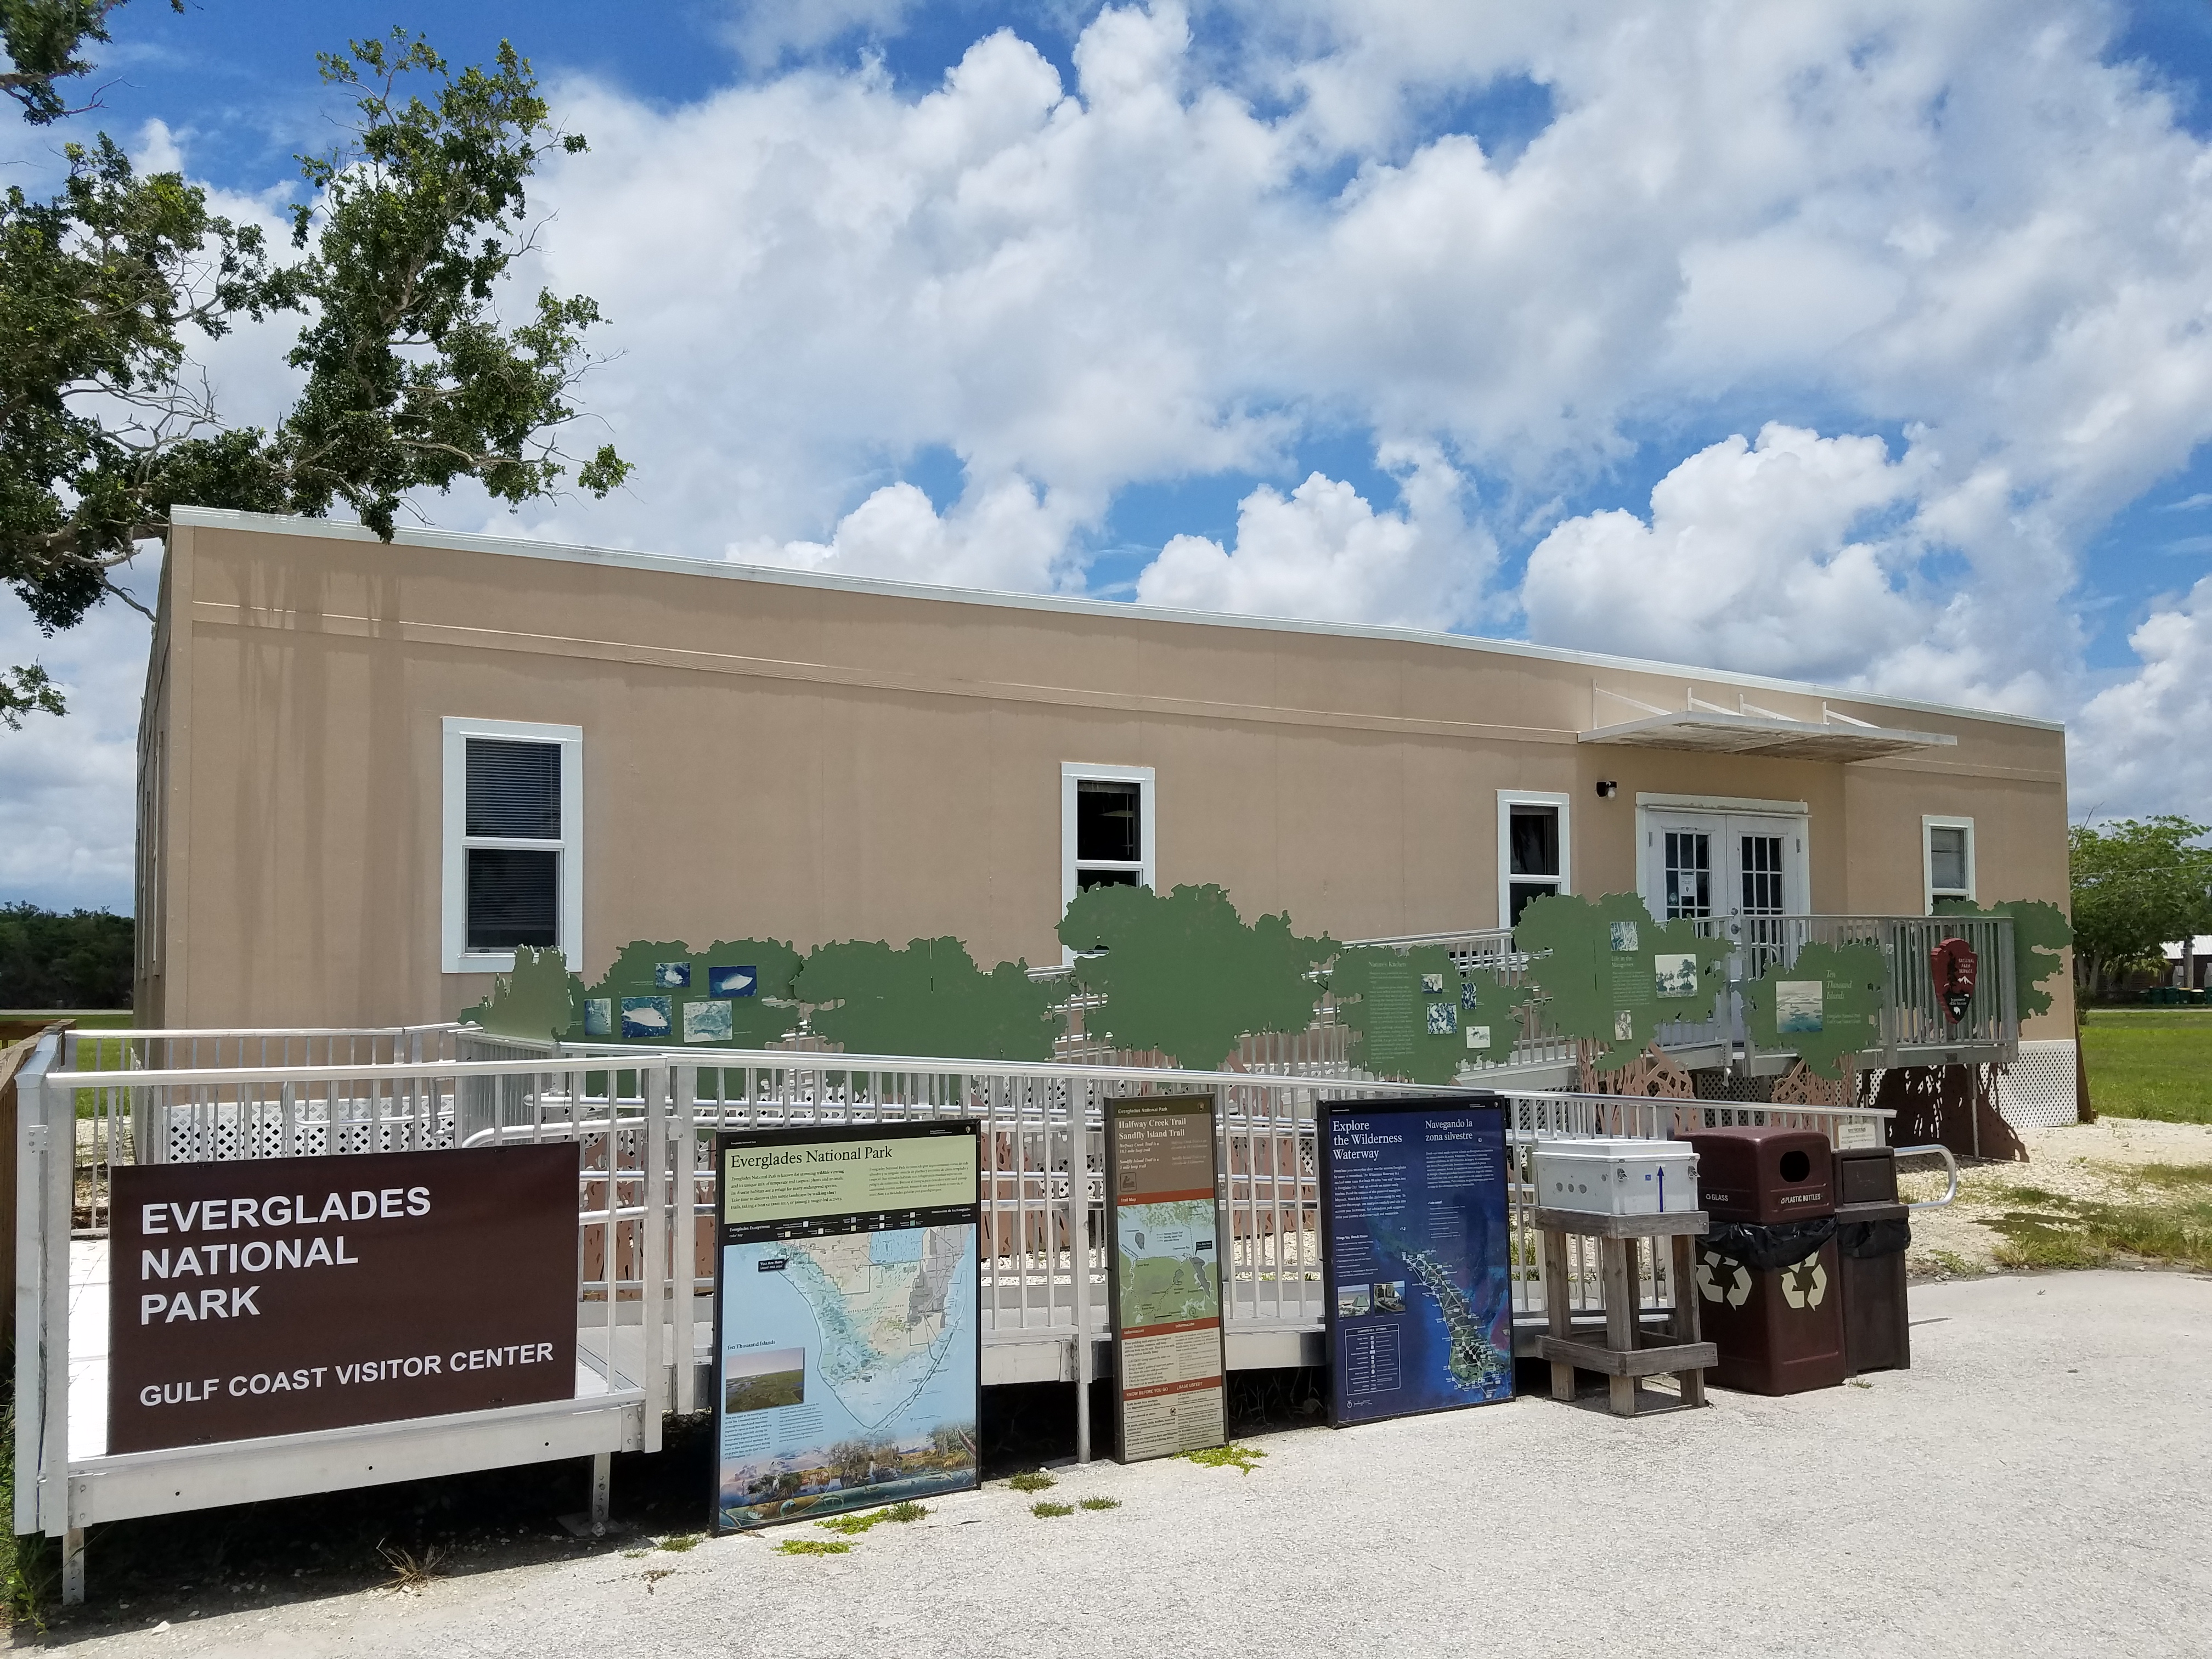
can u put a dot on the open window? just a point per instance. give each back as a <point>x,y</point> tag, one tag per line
<point>1105,827</point>
<point>513,842</point>
<point>1532,852</point>
<point>1947,858</point>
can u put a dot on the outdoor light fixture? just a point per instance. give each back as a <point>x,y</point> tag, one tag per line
<point>1607,789</point>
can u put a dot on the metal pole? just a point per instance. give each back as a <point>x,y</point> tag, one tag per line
<point>1079,1256</point>
<point>602,1489</point>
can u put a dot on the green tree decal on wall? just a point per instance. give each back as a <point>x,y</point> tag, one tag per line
<point>2040,932</point>
<point>1827,1006</point>
<point>1185,974</point>
<point>763,1016</point>
<point>536,1001</point>
<point>1610,973</point>
<point>928,999</point>
<point>1417,1017</point>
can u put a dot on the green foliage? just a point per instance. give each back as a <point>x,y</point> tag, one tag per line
<point>1851,979</point>
<point>27,690</point>
<point>1243,1458</point>
<point>854,1526</point>
<point>2137,885</point>
<point>42,39</point>
<point>97,422</point>
<point>1185,974</point>
<point>1045,1510</point>
<point>928,999</point>
<point>2040,932</point>
<point>536,1001</point>
<point>411,379</point>
<point>2149,1063</point>
<point>1593,962</point>
<point>1409,1031</point>
<point>82,959</point>
<point>1033,1480</point>
<point>814,1546</point>
<point>1100,1503</point>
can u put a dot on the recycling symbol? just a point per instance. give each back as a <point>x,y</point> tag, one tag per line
<point>1737,1293</point>
<point>1802,1288</point>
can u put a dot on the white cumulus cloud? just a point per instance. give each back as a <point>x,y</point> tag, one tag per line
<point>1324,553</point>
<point>2140,745</point>
<point>1747,562</point>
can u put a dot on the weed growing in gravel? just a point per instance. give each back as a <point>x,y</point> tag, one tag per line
<point>410,1572</point>
<point>1049,1511</point>
<point>1035,1481</point>
<point>853,1526</point>
<point>1100,1503</point>
<point>677,1543</point>
<point>814,1546</point>
<point>1246,1458</point>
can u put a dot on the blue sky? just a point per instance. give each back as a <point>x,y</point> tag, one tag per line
<point>1859,341</point>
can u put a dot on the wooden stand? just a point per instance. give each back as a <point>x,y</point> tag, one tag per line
<point>1628,1351</point>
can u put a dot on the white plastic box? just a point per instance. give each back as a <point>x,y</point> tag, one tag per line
<point>1616,1176</point>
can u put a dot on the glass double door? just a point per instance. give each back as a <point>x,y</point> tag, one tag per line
<point>1732,864</point>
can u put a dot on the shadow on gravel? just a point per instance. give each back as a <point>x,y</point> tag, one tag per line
<point>260,1555</point>
<point>251,1556</point>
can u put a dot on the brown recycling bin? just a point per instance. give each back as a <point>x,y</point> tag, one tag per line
<point>1872,1231</point>
<point>1767,1274</point>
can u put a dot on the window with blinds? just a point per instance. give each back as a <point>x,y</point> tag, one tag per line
<point>512,826</point>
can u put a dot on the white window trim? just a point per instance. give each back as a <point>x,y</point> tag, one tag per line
<point>1074,772</point>
<point>457,957</point>
<point>1507,800</point>
<point>1928,893</point>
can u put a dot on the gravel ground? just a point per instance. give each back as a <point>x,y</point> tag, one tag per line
<point>2033,1485</point>
<point>2080,1160</point>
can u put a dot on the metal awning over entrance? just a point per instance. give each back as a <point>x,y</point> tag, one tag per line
<point>1715,732</point>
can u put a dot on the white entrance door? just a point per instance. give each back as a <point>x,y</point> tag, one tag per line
<point>1723,865</point>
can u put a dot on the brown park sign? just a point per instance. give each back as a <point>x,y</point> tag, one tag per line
<point>273,1296</point>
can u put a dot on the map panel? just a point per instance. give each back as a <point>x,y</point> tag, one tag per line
<point>848,1372</point>
<point>1168,1268</point>
<point>882,1406</point>
<point>1420,1318</point>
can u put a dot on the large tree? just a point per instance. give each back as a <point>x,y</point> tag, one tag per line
<point>412,378</point>
<point>2138,884</point>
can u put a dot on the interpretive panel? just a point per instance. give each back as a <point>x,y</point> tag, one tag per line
<point>848,1369</point>
<point>1417,1266</point>
<point>1164,1275</point>
<point>274,1295</point>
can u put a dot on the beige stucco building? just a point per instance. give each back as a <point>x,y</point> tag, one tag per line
<point>364,768</point>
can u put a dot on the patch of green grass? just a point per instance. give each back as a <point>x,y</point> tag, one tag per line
<point>1246,1458</point>
<point>814,1546</point>
<point>677,1543</point>
<point>1045,1510</point>
<point>1033,1480</point>
<point>2167,1218</point>
<point>853,1526</point>
<point>2176,1176</point>
<point>30,1575</point>
<point>1100,1503</point>
<point>2151,1062</point>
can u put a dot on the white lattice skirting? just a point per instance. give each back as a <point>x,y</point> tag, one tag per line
<point>2037,1089</point>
